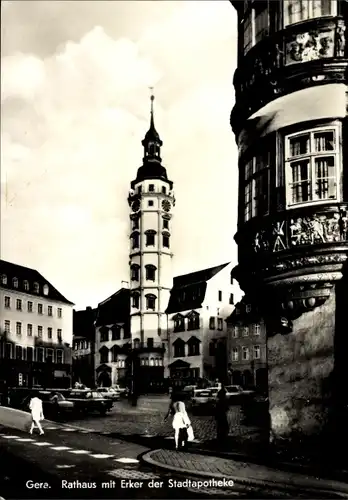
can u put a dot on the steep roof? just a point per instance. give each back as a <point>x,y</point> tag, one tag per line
<point>189,290</point>
<point>115,309</point>
<point>23,274</point>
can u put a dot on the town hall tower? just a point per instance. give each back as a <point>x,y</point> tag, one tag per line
<point>151,200</point>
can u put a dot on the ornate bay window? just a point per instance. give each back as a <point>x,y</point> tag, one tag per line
<point>296,11</point>
<point>150,272</point>
<point>312,165</point>
<point>256,186</point>
<point>150,301</point>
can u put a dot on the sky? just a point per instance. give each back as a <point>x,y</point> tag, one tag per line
<point>74,108</point>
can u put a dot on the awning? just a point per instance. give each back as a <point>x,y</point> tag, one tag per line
<point>314,103</point>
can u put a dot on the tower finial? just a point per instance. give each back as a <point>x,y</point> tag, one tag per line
<point>152,98</point>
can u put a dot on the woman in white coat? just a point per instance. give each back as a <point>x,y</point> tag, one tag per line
<point>181,425</point>
<point>35,407</point>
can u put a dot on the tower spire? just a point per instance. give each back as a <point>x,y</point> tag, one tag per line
<point>152,98</point>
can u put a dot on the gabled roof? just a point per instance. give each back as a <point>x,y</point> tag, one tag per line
<point>179,363</point>
<point>83,323</point>
<point>189,290</point>
<point>22,273</point>
<point>115,309</point>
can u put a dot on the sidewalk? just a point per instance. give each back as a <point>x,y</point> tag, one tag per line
<point>209,467</point>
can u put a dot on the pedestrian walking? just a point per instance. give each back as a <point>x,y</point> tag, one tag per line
<point>35,407</point>
<point>221,409</point>
<point>181,423</point>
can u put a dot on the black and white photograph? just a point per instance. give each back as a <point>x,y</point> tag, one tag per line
<point>174,244</point>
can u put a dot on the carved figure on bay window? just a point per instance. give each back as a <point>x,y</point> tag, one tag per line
<point>310,51</point>
<point>340,41</point>
<point>295,52</point>
<point>316,230</point>
<point>260,242</point>
<point>326,46</point>
<point>332,228</point>
<point>278,233</point>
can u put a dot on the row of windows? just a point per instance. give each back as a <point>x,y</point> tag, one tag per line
<point>136,223</point>
<point>12,351</point>
<point>26,285</point>
<point>115,333</point>
<point>150,301</point>
<point>246,330</point>
<point>81,344</point>
<point>193,322</point>
<point>39,332</point>
<point>213,324</point>
<point>121,363</point>
<point>256,21</point>
<point>150,272</point>
<point>40,307</point>
<point>311,159</point>
<point>151,189</point>
<point>149,239</point>
<point>193,347</point>
<point>245,351</point>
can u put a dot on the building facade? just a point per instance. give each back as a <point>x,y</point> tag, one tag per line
<point>151,200</point>
<point>113,340</point>
<point>83,353</point>
<point>36,330</point>
<point>198,307</point>
<point>247,347</point>
<point>290,123</point>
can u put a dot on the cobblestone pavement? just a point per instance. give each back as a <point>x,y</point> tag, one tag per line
<point>125,420</point>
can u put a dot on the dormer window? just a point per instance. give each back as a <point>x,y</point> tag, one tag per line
<point>135,272</point>
<point>36,287</point>
<point>150,238</point>
<point>45,290</point>
<point>15,282</point>
<point>150,272</point>
<point>26,285</point>
<point>3,279</point>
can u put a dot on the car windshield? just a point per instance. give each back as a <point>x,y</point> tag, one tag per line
<point>232,388</point>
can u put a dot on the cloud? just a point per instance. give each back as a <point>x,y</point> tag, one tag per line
<point>72,124</point>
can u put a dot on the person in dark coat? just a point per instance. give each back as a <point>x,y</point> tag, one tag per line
<point>221,409</point>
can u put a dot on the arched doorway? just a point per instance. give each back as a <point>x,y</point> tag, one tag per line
<point>104,376</point>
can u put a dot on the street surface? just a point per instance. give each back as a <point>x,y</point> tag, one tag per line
<point>70,463</point>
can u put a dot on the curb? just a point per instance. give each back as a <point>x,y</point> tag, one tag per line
<point>342,493</point>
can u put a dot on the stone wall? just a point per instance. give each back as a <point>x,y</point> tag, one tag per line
<point>301,368</point>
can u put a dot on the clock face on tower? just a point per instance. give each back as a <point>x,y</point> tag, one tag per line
<point>166,205</point>
<point>136,206</point>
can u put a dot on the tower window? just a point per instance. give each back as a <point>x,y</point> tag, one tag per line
<point>135,240</point>
<point>150,238</point>
<point>150,203</point>
<point>311,167</point>
<point>151,188</point>
<point>135,272</point>
<point>135,223</point>
<point>165,224</point>
<point>150,272</point>
<point>139,189</point>
<point>164,190</point>
<point>220,295</point>
<point>135,300</point>
<point>150,302</point>
<point>165,239</point>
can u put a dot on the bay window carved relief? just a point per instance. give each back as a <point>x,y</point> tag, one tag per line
<point>310,46</point>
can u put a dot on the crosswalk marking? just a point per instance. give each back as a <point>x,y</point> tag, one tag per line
<point>10,437</point>
<point>51,428</point>
<point>79,452</point>
<point>24,440</point>
<point>60,448</point>
<point>102,455</point>
<point>85,432</point>
<point>39,443</point>
<point>127,460</point>
<point>169,437</point>
<point>65,466</point>
<point>68,429</point>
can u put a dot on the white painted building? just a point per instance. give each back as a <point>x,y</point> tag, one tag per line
<point>36,327</point>
<point>199,305</point>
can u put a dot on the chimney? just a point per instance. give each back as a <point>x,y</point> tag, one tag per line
<point>124,284</point>
<point>88,308</point>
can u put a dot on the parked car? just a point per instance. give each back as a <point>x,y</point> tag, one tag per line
<point>122,390</point>
<point>54,404</point>
<point>109,392</point>
<point>188,391</point>
<point>87,401</point>
<point>203,400</point>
